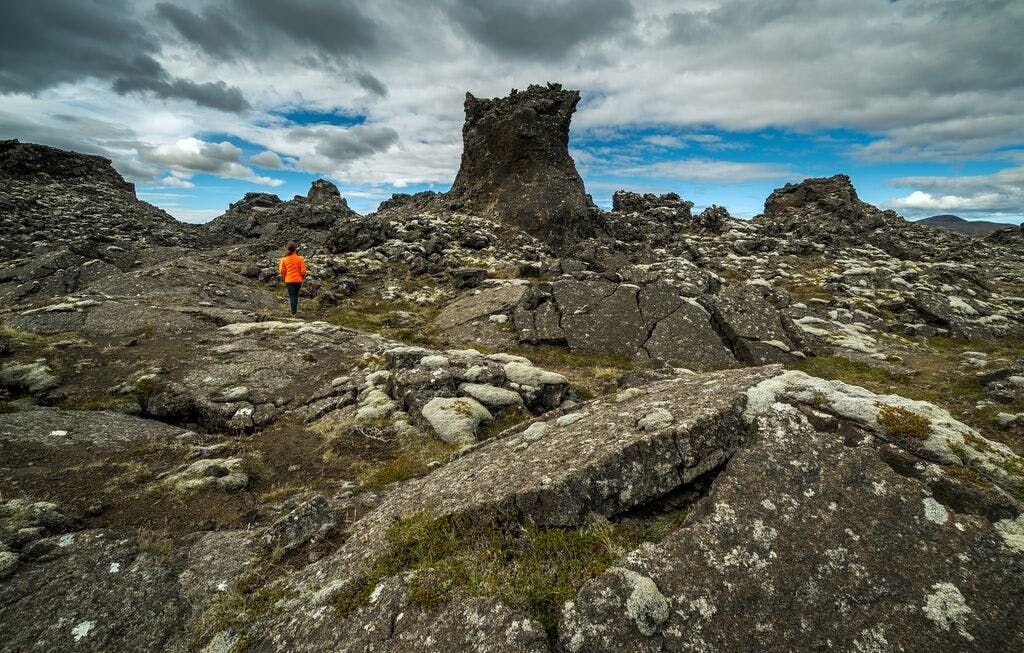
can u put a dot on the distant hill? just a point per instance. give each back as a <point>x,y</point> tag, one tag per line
<point>956,223</point>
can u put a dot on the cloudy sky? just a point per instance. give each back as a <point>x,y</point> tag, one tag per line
<point>921,102</point>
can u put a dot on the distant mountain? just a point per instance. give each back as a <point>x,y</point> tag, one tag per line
<point>956,223</point>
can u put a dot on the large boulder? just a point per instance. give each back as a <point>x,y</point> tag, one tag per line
<point>811,542</point>
<point>516,165</point>
<point>755,329</point>
<point>90,591</point>
<point>604,458</point>
<point>824,213</point>
<point>640,323</point>
<point>271,223</point>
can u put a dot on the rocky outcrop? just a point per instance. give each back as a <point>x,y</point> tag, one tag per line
<point>70,218</point>
<point>1012,236</point>
<point>270,222</point>
<point>826,212</point>
<point>599,457</point>
<point>890,568</point>
<point>91,591</point>
<point>516,165</point>
<point>667,204</point>
<point>659,321</point>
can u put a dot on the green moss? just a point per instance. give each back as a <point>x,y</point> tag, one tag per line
<point>158,546</point>
<point>902,423</point>
<point>23,340</point>
<point>531,568</point>
<point>256,468</point>
<point>398,319</point>
<point>967,474</point>
<point>402,468</point>
<point>416,450</point>
<point>977,443</point>
<point>96,400</point>
<point>840,368</point>
<point>504,420</point>
<point>241,609</point>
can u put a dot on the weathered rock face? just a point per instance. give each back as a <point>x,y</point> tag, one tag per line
<point>891,567</point>
<point>263,217</point>
<point>1013,236</point>
<point>823,212</point>
<point>627,202</point>
<point>28,161</point>
<point>516,165</point>
<point>659,321</point>
<point>70,218</point>
<point>90,591</point>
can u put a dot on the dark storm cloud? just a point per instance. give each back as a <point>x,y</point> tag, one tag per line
<point>371,84</point>
<point>212,29</point>
<point>46,43</point>
<point>537,29</point>
<point>334,28</point>
<point>344,145</point>
<point>216,95</point>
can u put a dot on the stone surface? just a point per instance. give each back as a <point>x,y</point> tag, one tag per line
<point>888,570</point>
<point>641,323</point>
<point>516,165</point>
<point>392,623</point>
<point>455,420</point>
<point>90,591</point>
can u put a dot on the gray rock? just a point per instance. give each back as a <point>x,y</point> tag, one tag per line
<point>90,591</point>
<point>311,520</point>
<point>903,570</point>
<point>490,396</point>
<point>750,323</point>
<point>33,378</point>
<point>393,623</point>
<point>516,165</point>
<point>455,420</point>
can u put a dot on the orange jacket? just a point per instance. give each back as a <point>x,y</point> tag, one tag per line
<point>292,268</point>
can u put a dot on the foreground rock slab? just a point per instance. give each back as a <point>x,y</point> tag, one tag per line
<point>810,543</point>
<point>600,458</point>
<point>90,591</point>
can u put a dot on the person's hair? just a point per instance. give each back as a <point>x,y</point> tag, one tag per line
<point>292,246</point>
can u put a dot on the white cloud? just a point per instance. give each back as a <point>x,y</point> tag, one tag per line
<point>267,159</point>
<point>663,140</point>
<point>189,155</point>
<point>921,200</point>
<point>170,181</point>
<point>926,79</point>
<point>999,192</point>
<point>711,170</point>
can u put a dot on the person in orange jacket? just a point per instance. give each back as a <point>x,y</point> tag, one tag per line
<point>293,269</point>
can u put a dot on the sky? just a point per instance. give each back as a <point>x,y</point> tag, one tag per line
<point>921,102</point>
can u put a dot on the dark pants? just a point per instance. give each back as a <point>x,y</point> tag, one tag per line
<point>293,295</point>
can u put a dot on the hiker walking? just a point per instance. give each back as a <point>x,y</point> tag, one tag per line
<point>293,269</point>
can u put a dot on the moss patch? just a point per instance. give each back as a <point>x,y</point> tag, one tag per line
<point>531,568</point>
<point>242,608</point>
<point>902,423</point>
<point>97,400</point>
<point>398,319</point>
<point>840,368</point>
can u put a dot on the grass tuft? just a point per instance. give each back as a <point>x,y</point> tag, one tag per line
<point>902,423</point>
<point>531,568</point>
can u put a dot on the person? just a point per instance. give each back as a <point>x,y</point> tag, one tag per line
<point>293,269</point>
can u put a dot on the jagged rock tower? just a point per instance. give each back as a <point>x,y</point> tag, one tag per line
<point>516,165</point>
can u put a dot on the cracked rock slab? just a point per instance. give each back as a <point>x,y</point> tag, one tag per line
<point>883,573</point>
<point>599,461</point>
<point>393,623</point>
<point>90,591</point>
